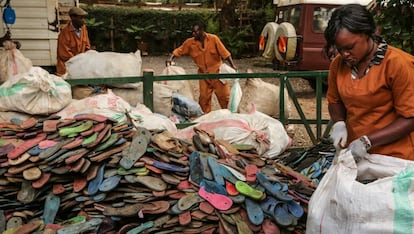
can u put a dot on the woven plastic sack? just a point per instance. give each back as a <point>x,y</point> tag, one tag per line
<point>342,204</point>
<point>12,61</point>
<point>35,92</point>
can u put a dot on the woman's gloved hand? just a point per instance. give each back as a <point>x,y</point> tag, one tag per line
<point>339,135</point>
<point>359,147</point>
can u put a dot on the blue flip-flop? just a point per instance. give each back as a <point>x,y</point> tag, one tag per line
<point>295,208</point>
<point>195,167</point>
<point>282,215</point>
<point>276,189</point>
<point>215,168</point>
<point>51,208</point>
<point>254,212</point>
<point>93,186</point>
<point>213,187</point>
<point>109,183</point>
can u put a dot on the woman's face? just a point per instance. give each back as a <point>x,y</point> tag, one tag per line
<point>352,47</point>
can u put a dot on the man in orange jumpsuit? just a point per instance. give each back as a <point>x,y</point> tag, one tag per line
<point>73,39</point>
<point>208,53</point>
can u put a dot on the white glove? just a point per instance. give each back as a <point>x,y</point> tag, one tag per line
<point>359,147</point>
<point>339,135</point>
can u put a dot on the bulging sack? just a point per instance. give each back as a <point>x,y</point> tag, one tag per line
<point>35,92</point>
<point>342,204</point>
<point>93,64</point>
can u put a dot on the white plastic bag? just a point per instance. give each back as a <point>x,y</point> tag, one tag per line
<point>12,61</point>
<point>235,96</point>
<point>35,92</point>
<point>341,204</point>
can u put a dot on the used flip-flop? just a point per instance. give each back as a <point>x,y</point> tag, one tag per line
<point>219,201</point>
<point>213,187</point>
<point>207,173</point>
<point>188,201</point>
<point>215,168</point>
<point>235,173</point>
<point>89,225</point>
<point>81,127</point>
<point>136,149</point>
<point>249,191</point>
<point>195,167</point>
<point>109,183</point>
<point>270,227</point>
<point>151,182</point>
<point>93,186</point>
<point>25,146</point>
<point>254,212</point>
<point>231,189</point>
<point>295,208</point>
<point>251,170</point>
<point>51,208</point>
<point>276,189</point>
<point>141,228</point>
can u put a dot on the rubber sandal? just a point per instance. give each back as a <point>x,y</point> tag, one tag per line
<point>196,170</point>
<point>231,189</point>
<point>251,170</point>
<point>235,173</point>
<point>238,199</point>
<point>227,175</point>
<point>113,140</point>
<point>219,201</point>
<point>101,135</point>
<point>93,185</point>
<point>46,144</point>
<point>73,131</point>
<point>109,183</point>
<point>188,201</point>
<point>150,182</point>
<point>276,189</point>
<point>254,212</point>
<point>50,126</point>
<point>295,208</point>
<point>19,160</point>
<point>32,174</point>
<point>125,211</point>
<point>93,117</point>
<point>141,228</point>
<point>245,218</point>
<point>51,207</point>
<point>184,218</point>
<point>213,187</point>
<point>242,227</point>
<point>269,227</point>
<point>164,166</point>
<point>44,178</point>
<point>206,207</point>
<point>249,191</point>
<point>29,227</point>
<point>25,146</point>
<point>5,149</point>
<point>28,123</point>
<point>45,154</point>
<point>205,169</point>
<point>215,168</point>
<point>136,149</point>
<point>282,215</point>
<point>155,207</point>
<point>79,183</point>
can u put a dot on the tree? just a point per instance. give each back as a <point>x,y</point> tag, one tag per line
<point>395,20</point>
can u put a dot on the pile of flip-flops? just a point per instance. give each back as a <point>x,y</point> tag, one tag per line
<point>92,174</point>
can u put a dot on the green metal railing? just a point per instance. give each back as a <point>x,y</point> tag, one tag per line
<point>148,80</point>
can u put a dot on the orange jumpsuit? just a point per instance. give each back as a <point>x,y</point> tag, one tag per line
<point>374,101</point>
<point>69,45</point>
<point>208,60</point>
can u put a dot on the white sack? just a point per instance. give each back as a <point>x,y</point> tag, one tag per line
<point>264,97</point>
<point>12,61</point>
<point>162,96</point>
<point>115,107</point>
<point>182,86</point>
<point>35,92</point>
<point>93,64</point>
<point>266,134</point>
<point>343,205</point>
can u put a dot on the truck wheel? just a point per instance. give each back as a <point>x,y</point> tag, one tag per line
<point>286,42</point>
<point>269,35</point>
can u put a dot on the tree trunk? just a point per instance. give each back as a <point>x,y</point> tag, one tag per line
<point>228,14</point>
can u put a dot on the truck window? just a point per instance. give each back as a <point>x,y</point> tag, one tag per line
<point>321,16</point>
<point>295,17</point>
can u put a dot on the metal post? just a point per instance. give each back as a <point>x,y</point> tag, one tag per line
<point>148,88</point>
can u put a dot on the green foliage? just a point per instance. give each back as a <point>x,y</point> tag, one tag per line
<point>395,20</point>
<point>164,30</point>
<point>234,40</point>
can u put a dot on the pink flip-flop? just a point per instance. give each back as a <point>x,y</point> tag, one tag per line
<point>219,201</point>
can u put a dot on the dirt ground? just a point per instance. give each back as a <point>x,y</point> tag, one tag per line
<point>306,95</point>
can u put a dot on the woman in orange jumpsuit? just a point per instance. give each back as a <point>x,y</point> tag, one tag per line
<point>370,88</point>
<point>207,52</point>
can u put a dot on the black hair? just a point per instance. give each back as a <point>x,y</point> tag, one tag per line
<point>353,17</point>
<point>200,25</point>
